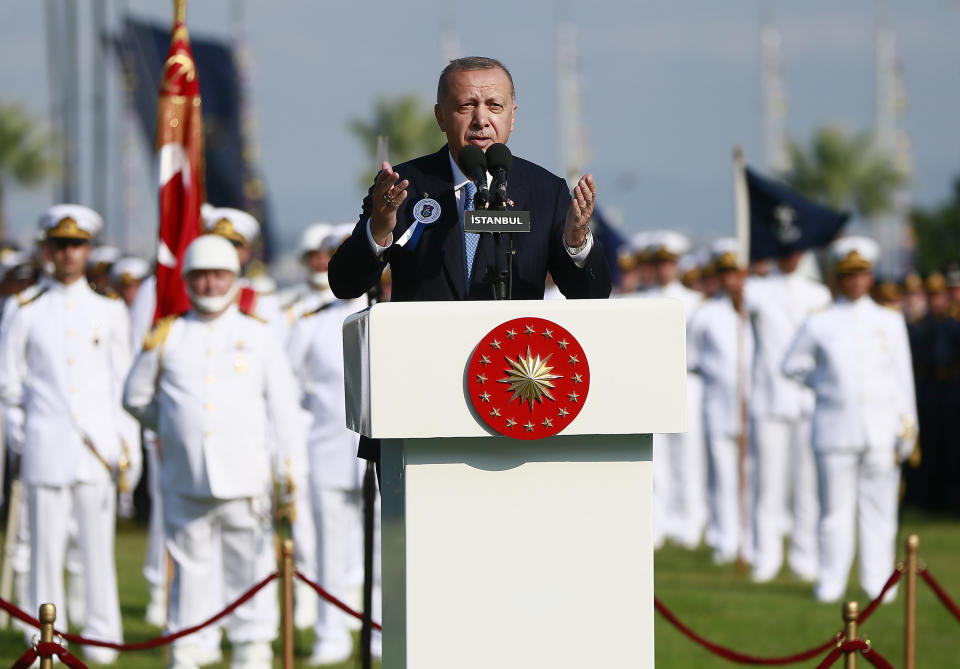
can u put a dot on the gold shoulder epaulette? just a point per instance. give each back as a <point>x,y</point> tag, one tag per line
<point>158,335</point>
<point>23,300</point>
<point>261,319</point>
<point>316,311</point>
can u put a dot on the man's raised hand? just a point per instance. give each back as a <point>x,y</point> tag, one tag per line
<point>389,192</point>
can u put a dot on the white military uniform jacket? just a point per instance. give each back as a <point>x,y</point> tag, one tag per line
<point>63,359</point>
<point>778,305</point>
<point>856,357</point>
<point>222,398</point>
<point>316,353</point>
<point>717,337</point>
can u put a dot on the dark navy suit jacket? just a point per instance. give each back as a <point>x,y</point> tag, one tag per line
<point>434,269</point>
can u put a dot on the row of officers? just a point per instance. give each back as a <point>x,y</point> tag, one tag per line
<point>801,411</point>
<point>238,405</point>
<point>245,392</point>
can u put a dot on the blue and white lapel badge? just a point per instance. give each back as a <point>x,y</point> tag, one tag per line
<point>425,212</point>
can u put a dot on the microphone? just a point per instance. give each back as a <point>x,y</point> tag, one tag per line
<point>499,160</point>
<point>474,165</point>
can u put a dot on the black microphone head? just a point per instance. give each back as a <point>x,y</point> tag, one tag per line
<point>498,155</point>
<point>471,157</point>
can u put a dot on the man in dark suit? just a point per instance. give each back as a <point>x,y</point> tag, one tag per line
<point>412,215</point>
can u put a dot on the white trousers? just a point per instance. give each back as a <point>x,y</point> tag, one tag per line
<point>727,528</point>
<point>858,496</point>
<point>338,514</point>
<point>155,561</point>
<point>786,497</point>
<point>51,510</point>
<point>230,541</point>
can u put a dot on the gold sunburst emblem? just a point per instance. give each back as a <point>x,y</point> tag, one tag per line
<point>530,378</point>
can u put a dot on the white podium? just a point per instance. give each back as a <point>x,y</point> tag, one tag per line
<point>501,552</point>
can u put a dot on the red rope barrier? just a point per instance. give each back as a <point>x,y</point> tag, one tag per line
<point>48,649</point>
<point>872,606</point>
<point>940,592</point>
<point>735,656</point>
<point>142,645</point>
<point>830,659</point>
<point>876,659</point>
<point>25,660</point>
<point>333,600</point>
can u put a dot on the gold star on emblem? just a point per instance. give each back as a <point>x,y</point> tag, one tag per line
<point>577,378</point>
<point>573,397</point>
<point>481,378</point>
<point>528,426</point>
<point>495,344</point>
<point>574,360</point>
<point>511,422</point>
<point>548,333</point>
<point>484,360</point>
<point>485,397</point>
<point>529,378</point>
<point>511,333</point>
<point>563,413</point>
<point>529,330</point>
<point>495,412</point>
<point>563,343</point>
<point>547,422</point>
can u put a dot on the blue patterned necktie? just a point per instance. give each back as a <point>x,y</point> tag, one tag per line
<point>470,239</point>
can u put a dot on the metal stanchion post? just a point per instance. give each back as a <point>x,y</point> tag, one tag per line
<point>287,575</point>
<point>910,614</point>
<point>851,611</point>
<point>369,499</point>
<point>48,615</point>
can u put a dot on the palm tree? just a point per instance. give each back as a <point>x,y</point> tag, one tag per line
<point>845,171</point>
<point>24,152</point>
<point>410,128</point>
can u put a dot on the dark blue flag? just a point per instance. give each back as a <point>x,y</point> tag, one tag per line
<point>783,222</point>
<point>231,179</point>
<point>612,240</point>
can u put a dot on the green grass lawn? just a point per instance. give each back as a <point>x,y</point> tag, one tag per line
<point>772,619</point>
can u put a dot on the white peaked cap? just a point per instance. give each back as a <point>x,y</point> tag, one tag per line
<point>669,244</point>
<point>311,239</point>
<point>854,254</point>
<point>129,269</point>
<point>211,252</point>
<point>233,224</point>
<point>640,241</point>
<point>724,252</point>
<point>70,221</point>
<point>338,235</point>
<point>106,255</point>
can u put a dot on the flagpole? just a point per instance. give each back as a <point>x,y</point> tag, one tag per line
<point>741,203</point>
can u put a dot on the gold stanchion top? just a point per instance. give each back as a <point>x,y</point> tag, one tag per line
<point>48,613</point>
<point>851,611</point>
<point>288,546</point>
<point>913,542</point>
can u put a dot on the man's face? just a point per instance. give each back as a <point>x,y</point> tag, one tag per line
<point>210,282</point>
<point>479,109</point>
<point>854,286</point>
<point>788,264</point>
<point>243,252</point>
<point>317,261</point>
<point>666,271</point>
<point>732,281</point>
<point>128,291</point>
<point>69,258</point>
<point>939,303</point>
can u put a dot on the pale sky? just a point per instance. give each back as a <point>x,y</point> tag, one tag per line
<point>670,87</point>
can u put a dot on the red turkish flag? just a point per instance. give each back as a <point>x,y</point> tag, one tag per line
<point>180,154</point>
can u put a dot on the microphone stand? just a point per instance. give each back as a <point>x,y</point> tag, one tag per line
<point>503,264</point>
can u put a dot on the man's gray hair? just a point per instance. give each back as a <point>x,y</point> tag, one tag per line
<point>470,63</point>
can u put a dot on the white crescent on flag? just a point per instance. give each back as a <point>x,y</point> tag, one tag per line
<point>173,160</point>
<point>165,256</point>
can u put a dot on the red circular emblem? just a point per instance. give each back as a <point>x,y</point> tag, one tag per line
<point>528,378</point>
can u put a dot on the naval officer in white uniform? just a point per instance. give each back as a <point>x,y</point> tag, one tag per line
<point>856,357</point>
<point>217,388</point>
<point>719,349</point>
<point>680,478</point>
<point>780,410</point>
<point>64,356</point>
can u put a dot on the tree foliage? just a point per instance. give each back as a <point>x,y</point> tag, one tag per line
<point>24,151</point>
<point>937,233</point>
<point>408,125</point>
<point>845,171</point>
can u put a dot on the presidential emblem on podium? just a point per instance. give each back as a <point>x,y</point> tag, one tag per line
<point>528,378</point>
